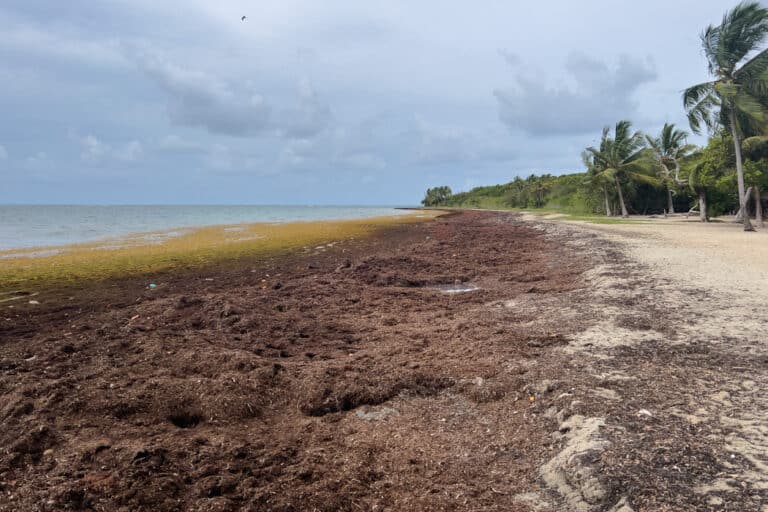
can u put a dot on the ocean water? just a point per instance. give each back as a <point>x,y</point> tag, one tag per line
<point>24,226</point>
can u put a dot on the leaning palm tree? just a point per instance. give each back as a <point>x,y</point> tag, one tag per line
<point>621,159</point>
<point>596,179</point>
<point>668,148</point>
<point>734,99</point>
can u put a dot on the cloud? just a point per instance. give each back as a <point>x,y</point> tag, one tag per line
<point>441,144</point>
<point>512,59</point>
<point>308,118</point>
<point>176,144</point>
<point>331,91</point>
<point>225,160</point>
<point>598,95</point>
<point>3,153</point>
<point>94,150</point>
<point>197,98</point>
<point>132,151</point>
<point>35,43</point>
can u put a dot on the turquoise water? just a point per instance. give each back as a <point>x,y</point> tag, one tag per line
<point>23,226</point>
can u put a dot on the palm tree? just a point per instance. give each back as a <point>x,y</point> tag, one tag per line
<point>668,148</point>
<point>697,178</point>
<point>596,179</point>
<point>732,100</point>
<point>540,186</point>
<point>620,158</point>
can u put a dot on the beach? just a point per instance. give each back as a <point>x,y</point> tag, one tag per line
<point>471,361</point>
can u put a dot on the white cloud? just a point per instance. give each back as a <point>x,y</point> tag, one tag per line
<point>94,150</point>
<point>72,47</point>
<point>198,98</point>
<point>130,152</point>
<point>598,95</point>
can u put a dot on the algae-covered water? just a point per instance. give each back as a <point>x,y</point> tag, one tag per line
<point>24,226</point>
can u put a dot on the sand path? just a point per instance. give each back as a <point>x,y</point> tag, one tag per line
<point>683,316</point>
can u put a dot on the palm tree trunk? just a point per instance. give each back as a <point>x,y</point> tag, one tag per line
<point>607,203</point>
<point>758,208</point>
<point>670,204</point>
<point>624,212</point>
<point>740,173</point>
<point>703,205</point>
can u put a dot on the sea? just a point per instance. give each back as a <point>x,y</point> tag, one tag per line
<point>26,226</point>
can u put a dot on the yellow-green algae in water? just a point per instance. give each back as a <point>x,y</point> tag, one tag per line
<point>196,247</point>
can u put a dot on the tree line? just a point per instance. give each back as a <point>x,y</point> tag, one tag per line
<point>631,172</point>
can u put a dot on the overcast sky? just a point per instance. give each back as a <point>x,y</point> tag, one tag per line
<point>325,102</point>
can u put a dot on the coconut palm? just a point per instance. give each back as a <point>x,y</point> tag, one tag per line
<point>596,179</point>
<point>734,98</point>
<point>668,148</point>
<point>698,180</point>
<point>621,159</point>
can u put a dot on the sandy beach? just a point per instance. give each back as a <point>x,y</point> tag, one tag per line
<point>477,361</point>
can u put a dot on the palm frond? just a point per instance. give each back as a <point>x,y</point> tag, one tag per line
<point>694,176</point>
<point>754,69</point>
<point>751,107</point>
<point>695,94</point>
<point>710,42</point>
<point>647,179</point>
<point>700,102</point>
<point>742,30</point>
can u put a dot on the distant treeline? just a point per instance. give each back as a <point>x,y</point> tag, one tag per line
<point>709,171</point>
<point>632,172</point>
<point>566,192</point>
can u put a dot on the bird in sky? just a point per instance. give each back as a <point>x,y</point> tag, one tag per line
<point>243,18</point>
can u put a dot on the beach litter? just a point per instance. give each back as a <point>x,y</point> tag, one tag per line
<point>457,288</point>
<point>16,295</point>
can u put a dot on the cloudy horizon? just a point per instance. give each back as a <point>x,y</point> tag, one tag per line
<point>340,103</point>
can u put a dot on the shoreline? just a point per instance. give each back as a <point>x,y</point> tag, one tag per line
<point>164,250</point>
<point>33,226</point>
<point>283,383</point>
<point>576,368</point>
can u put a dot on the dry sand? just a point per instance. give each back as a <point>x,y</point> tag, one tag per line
<point>685,304</point>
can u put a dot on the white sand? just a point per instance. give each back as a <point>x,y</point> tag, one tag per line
<point>714,279</point>
<point>716,255</point>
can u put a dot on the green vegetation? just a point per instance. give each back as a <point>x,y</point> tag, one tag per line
<point>630,172</point>
<point>436,196</point>
<point>551,192</point>
<point>736,99</point>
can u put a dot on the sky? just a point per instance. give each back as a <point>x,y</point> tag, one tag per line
<point>332,102</point>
